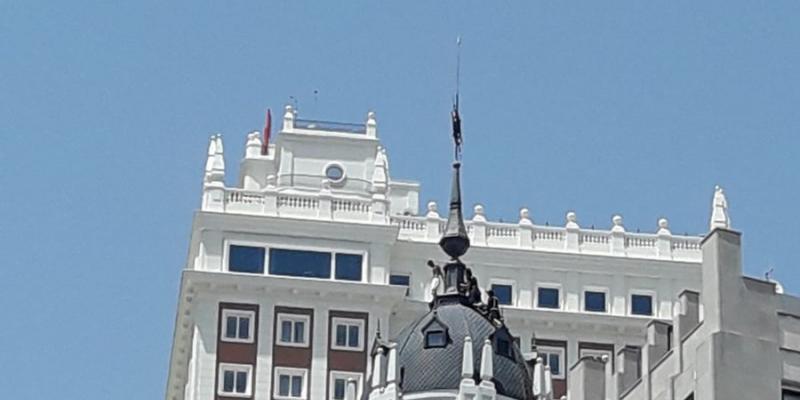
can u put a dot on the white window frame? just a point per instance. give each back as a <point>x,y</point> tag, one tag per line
<point>561,358</point>
<point>293,318</point>
<point>336,321</point>
<point>506,282</point>
<point>595,289</point>
<point>226,259</point>
<point>247,368</point>
<point>642,292</point>
<point>302,372</point>
<point>332,250</point>
<point>595,353</point>
<point>233,312</point>
<point>346,375</point>
<point>545,285</point>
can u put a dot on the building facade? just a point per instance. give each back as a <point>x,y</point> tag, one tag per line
<point>294,272</point>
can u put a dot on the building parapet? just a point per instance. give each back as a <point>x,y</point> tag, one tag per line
<point>522,235</point>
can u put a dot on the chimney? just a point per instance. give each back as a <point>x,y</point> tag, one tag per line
<point>689,313</point>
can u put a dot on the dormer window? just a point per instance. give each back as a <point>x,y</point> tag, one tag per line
<point>435,332</point>
<point>435,339</point>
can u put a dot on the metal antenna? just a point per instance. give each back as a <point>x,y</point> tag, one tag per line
<point>458,67</point>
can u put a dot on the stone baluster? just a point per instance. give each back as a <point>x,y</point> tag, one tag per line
<point>478,225</point>
<point>664,241</point>
<point>372,125</point>
<point>288,119</point>
<point>325,200</point>
<point>617,236</point>
<point>271,196</point>
<point>573,232</point>
<point>525,229</point>
<point>432,220</point>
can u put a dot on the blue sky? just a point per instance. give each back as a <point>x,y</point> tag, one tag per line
<point>628,107</point>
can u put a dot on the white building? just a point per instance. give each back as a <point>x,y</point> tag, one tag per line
<point>292,273</point>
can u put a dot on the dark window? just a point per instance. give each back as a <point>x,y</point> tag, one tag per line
<point>788,395</point>
<point>641,304</point>
<point>338,389</point>
<point>297,385</point>
<point>504,347</point>
<point>553,360</point>
<point>348,267</point>
<point>227,384</point>
<point>400,280</point>
<point>594,301</point>
<point>246,259</point>
<point>230,327</point>
<point>548,298</point>
<point>241,382</point>
<point>308,264</point>
<point>435,339</point>
<point>503,293</point>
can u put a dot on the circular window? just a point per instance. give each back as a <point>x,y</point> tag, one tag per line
<point>334,172</point>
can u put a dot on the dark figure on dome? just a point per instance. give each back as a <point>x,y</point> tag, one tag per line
<point>436,280</point>
<point>493,308</point>
<point>471,289</point>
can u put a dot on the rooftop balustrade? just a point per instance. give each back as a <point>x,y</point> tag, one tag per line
<point>571,238</point>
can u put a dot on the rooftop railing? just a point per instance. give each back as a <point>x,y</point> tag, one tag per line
<point>330,126</point>
<point>571,238</point>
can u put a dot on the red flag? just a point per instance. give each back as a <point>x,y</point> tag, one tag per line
<point>267,131</point>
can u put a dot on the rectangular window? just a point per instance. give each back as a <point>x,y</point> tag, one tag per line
<point>547,297</point>
<point>503,293</point>
<point>246,259</point>
<point>348,266</point>
<point>641,304</point>
<point>347,334</point>
<point>400,280</point>
<point>338,384</point>
<point>293,330</point>
<point>435,339</point>
<point>291,383</point>
<point>235,379</point>
<point>788,395</point>
<point>302,263</point>
<point>238,325</point>
<point>594,301</point>
<point>553,357</point>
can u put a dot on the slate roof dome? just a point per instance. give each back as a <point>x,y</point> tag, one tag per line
<point>426,368</point>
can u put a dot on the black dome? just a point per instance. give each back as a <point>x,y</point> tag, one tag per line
<point>439,368</point>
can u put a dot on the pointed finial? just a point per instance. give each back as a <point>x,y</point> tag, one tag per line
<point>480,213</point>
<point>455,241</point>
<point>467,365</point>
<point>663,227</point>
<point>433,210</point>
<point>487,363</point>
<point>719,211</point>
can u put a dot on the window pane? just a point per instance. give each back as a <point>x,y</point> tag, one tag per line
<point>341,335</point>
<point>595,301</point>
<point>227,381</point>
<point>352,337</point>
<point>230,327</point>
<point>299,331</point>
<point>641,304</point>
<point>241,382</point>
<point>555,364</point>
<point>246,259</point>
<point>348,267</point>
<point>400,280</point>
<point>283,385</point>
<point>548,298</point>
<point>297,385</point>
<point>244,328</point>
<point>286,331</point>
<point>308,264</point>
<point>503,293</point>
<point>338,389</point>
<point>435,339</point>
